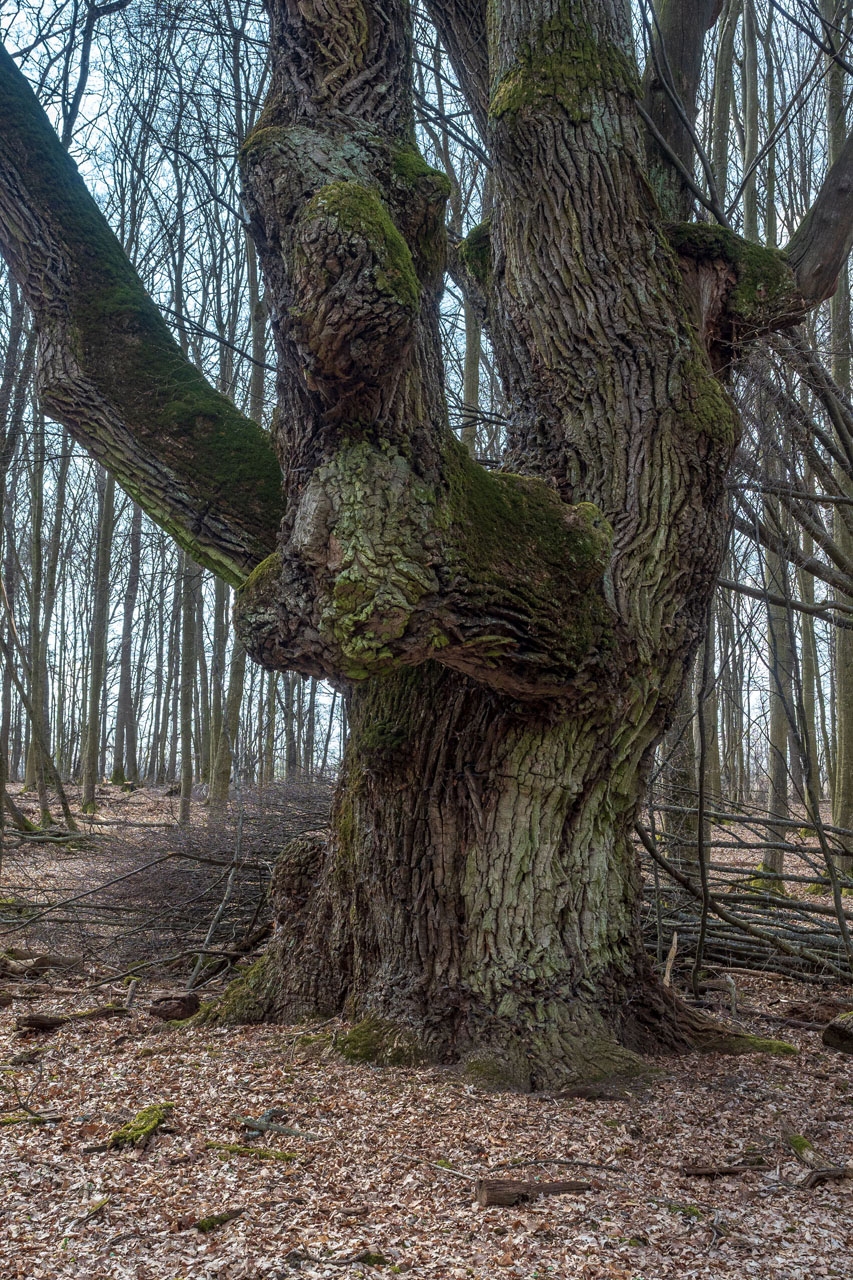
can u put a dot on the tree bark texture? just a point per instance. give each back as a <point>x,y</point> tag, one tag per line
<point>513,642</point>
<point>478,896</point>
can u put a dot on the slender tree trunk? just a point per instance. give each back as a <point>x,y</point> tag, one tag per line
<point>98,641</point>
<point>471,379</point>
<point>189,582</point>
<point>220,779</point>
<point>841,16</point>
<point>217,667</point>
<point>724,94</point>
<point>680,783</point>
<point>125,767</point>
<point>203,686</point>
<point>291,753</point>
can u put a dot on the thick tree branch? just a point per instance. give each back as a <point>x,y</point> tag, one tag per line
<point>491,575</point>
<point>821,244</point>
<point>461,25</point>
<point>739,290</point>
<point>109,368</point>
<point>671,85</point>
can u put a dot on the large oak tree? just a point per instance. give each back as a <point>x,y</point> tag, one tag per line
<point>513,642</point>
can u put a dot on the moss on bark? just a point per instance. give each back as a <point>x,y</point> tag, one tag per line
<point>126,351</point>
<point>382,1043</point>
<point>249,999</point>
<point>476,252</point>
<point>360,212</point>
<point>765,289</point>
<point>565,66</point>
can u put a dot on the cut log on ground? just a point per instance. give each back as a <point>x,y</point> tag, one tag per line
<point>52,1021</point>
<point>839,1033</point>
<point>174,1008</point>
<point>507,1191</point>
<point>716,1170</point>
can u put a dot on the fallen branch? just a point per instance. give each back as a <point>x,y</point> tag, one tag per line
<point>217,1220</point>
<point>764,935</point>
<point>266,1124</point>
<point>139,1131</point>
<point>21,964</point>
<point>93,1212</point>
<point>821,1168</point>
<point>52,1021</point>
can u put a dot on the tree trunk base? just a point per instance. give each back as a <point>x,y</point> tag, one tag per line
<point>550,1042</point>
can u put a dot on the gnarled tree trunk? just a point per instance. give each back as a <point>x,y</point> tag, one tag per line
<point>514,642</point>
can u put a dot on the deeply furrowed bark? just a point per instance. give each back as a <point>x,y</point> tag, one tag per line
<point>477,899</point>
<point>515,642</point>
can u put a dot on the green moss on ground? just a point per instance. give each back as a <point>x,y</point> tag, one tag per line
<point>247,1000</point>
<point>758,884</point>
<point>145,1123</point>
<point>798,1143</point>
<point>738,1042</point>
<point>380,1042</point>
<point>495,1074</point>
<point>214,1220</point>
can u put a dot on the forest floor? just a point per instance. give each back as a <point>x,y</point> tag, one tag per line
<point>377,1174</point>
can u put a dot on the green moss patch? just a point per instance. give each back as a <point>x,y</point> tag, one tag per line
<point>765,285</point>
<point>127,350</point>
<point>382,1043</point>
<point>214,1220</point>
<point>142,1127</point>
<point>409,167</point>
<point>476,251</point>
<point>246,1000</point>
<point>566,67</point>
<point>739,1042</point>
<point>360,212</point>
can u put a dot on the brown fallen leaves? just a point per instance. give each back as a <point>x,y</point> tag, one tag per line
<point>372,1184</point>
